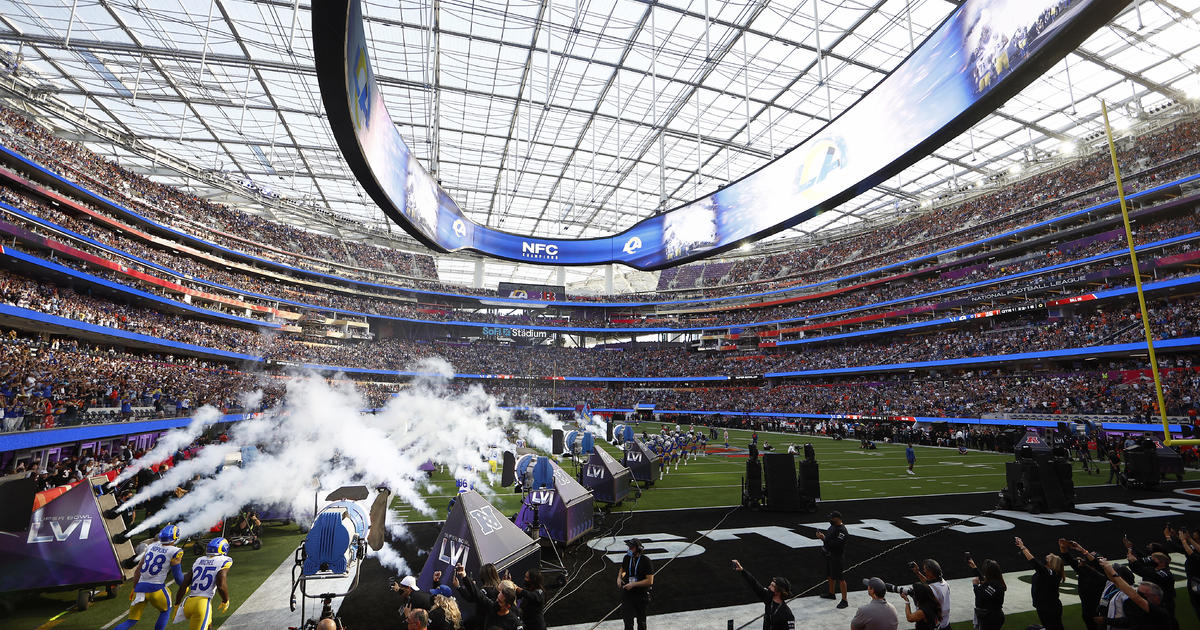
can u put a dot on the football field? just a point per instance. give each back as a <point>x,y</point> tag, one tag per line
<point>713,480</point>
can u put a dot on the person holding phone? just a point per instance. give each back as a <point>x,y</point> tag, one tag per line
<point>774,596</point>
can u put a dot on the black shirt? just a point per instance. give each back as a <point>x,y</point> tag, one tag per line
<point>835,539</point>
<point>489,609</point>
<point>1045,583</point>
<point>1157,618</point>
<point>532,604</point>
<point>989,596</point>
<point>1144,568</point>
<point>636,569</point>
<point>777,615</point>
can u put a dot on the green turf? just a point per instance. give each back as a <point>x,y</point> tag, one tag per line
<point>250,568</point>
<point>846,473</point>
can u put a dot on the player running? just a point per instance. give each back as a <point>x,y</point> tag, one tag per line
<point>161,559</point>
<point>208,576</point>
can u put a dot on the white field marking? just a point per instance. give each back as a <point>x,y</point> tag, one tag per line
<point>114,621</point>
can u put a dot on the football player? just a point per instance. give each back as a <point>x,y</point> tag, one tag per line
<point>161,559</point>
<point>208,576</point>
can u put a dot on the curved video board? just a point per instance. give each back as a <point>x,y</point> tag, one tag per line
<point>982,54</point>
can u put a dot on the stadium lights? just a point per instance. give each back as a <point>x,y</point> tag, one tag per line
<point>747,247</point>
<point>1067,147</point>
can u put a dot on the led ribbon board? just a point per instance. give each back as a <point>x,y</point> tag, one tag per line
<point>982,54</point>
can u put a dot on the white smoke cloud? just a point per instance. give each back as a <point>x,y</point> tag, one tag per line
<point>318,438</point>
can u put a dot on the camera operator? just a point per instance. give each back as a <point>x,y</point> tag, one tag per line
<point>635,579</point>
<point>1143,609</point>
<point>1047,576</point>
<point>989,588</point>
<point>878,614</point>
<point>499,612</point>
<point>835,546</point>
<point>928,615</point>
<point>929,573</point>
<point>777,615</point>
<point>1091,579</point>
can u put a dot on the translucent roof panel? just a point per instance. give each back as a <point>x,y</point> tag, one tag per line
<point>560,117</point>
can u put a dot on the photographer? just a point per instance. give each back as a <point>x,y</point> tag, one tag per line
<point>777,615</point>
<point>929,573</point>
<point>835,546</point>
<point>1047,576</point>
<point>989,588</point>
<point>1143,609</point>
<point>635,578</point>
<point>928,615</point>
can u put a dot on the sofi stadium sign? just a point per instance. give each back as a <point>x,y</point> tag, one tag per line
<point>981,55</point>
<point>504,331</point>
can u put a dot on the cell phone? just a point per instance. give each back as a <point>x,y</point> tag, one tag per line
<point>967,554</point>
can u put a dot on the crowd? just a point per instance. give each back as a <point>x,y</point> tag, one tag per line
<point>931,230</point>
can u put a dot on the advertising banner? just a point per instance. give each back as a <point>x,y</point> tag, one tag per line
<point>65,545</point>
<point>982,54</point>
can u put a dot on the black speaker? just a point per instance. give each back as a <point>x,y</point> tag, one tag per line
<point>556,442</point>
<point>779,478</point>
<point>810,479</point>
<point>1141,467</point>
<point>17,498</point>
<point>508,471</point>
<point>608,426</point>
<point>810,455</point>
<point>753,480</point>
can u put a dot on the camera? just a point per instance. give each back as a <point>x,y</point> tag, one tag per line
<point>892,588</point>
<point>912,565</point>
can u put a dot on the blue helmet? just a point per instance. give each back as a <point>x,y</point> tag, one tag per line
<point>169,534</point>
<point>217,547</point>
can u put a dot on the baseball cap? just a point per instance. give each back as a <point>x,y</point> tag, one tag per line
<point>409,582</point>
<point>633,543</point>
<point>875,584</point>
<point>835,514</point>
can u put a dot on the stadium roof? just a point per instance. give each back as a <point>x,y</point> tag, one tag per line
<point>567,118</point>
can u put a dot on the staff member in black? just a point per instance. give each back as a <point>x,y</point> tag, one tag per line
<point>989,589</point>
<point>777,615</point>
<point>1190,541</point>
<point>635,579</point>
<point>1047,575</point>
<point>835,546</point>
<point>1091,579</point>
<point>1143,609</point>
<point>1156,569</point>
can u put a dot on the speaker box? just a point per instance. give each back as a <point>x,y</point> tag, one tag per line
<point>754,487</point>
<point>508,472</point>
<point>779,477</point>
<point>556,441</point>
<point>608,429</point>
<point>16,495</point>
<point>810,479</point>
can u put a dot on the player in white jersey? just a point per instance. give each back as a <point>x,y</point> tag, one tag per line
<point>208,577</point>
<point>161,559</point>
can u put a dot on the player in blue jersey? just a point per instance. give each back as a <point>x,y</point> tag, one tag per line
<point>162,559</point>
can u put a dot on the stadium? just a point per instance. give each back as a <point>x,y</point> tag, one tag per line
<point>359,314</point>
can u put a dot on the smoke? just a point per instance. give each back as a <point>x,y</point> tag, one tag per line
<point>317,440</point>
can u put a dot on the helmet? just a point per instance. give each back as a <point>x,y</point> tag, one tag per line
<point>169,534</point>
<point>217,546</point>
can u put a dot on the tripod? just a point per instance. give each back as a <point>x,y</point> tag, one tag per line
<point>556,566</point>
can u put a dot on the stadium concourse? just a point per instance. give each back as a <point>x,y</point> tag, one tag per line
<point>246,284</point>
